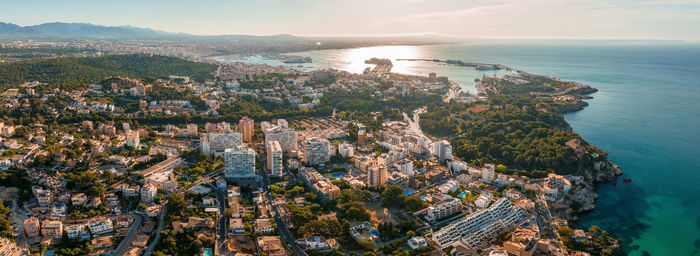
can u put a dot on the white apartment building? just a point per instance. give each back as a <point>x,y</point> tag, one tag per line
<point>442,150</point>
<point>132,139</point>
<point>488,173</point>
<point>316,151</point>
<point>240,163</point>
<point>483,200</point>
<point>215,143</point>
<point>406,167</point>
<point>101,226</point>
<point>346,150</point>
<point>148,192</point>
<point>287,137</point>
<point>445,208</point>
<point>481,227</point>
<point>274,158</point>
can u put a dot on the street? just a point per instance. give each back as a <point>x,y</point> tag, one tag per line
<point>138,221</point>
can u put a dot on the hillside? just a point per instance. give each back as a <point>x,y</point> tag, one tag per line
<point>78,72</point>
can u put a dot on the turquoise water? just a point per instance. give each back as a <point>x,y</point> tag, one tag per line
<point>207,252</point>
<point>462,195</point>
<point>337,175</point>
<point>645,116</point>
<point>408,192</point>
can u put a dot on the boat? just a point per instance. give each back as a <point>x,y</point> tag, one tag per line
<point>627,180</point>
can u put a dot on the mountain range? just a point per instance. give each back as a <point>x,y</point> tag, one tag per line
<point>62,30</point>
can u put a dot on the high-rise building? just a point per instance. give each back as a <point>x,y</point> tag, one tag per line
<point>132,138</point>
<point>443,150</point>
<point>346,150</point>
<point>215,143</point>
<point>246,126</point>
<point>126,127</point>
<point>406,167</point>
<point>274,158</point>
<point>240,163</point>
<point>488,173</point>
<point>361,134</point>
<point>316,151</point>
<point>377,176</point>
<point>287,137</point>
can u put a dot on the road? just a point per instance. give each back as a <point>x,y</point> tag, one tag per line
<point>222,218</point>
<point>414,123</point>
<point>138,221</point>
<point>164,212</point>
<point>282,227</point>
<point>544,217</point>
<point>161,225</point>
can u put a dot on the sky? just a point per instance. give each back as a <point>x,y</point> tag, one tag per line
<point>526,19</point>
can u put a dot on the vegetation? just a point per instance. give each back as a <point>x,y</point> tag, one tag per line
<point>73,247</point>
<point>183,243</point>
<point>151,162</point>
<point>521,132</point>
<point>74,73</point>
<point>359,105</point>
<point>600,242</point>
<point>5,227</point>
<point>351,204</point>
<point>393,196</point>
<point>88,182</point>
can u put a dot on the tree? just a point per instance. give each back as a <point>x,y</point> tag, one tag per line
<point>392,196</point>
<point>176,205</point>
<point>501,168</point>
<point>5,227</point>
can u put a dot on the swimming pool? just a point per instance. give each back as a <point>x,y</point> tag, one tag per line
<point>337,175</point>
<point>462,195</point>
<point>408,192</point>
<point>423,198</point>
<point>374,233</point>
<point>207,252</point>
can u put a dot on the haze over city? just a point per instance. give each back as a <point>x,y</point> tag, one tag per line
<point>538,19</point>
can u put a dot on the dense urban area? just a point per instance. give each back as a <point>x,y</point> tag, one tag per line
<point>152,148</point>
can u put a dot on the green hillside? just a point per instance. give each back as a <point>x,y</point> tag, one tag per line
<point>71,73</point>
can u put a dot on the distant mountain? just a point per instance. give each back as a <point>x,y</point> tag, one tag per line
<point>61,30</point>
<point>82,30</point>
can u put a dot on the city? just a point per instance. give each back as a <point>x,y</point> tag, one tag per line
<point>349,128</point>
<point>167,181</point>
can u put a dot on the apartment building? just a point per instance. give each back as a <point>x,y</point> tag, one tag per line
<point>319,183</point>
<point>240,163</point>
<point>316,151</point>
<point>215,143</point>
<point>274,158</point>
<point>481,227</point>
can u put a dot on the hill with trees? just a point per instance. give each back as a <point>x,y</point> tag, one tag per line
<point>74,73</point>
<point>521,132</point>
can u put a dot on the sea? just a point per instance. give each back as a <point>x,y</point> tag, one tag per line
<point>646,115</point>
